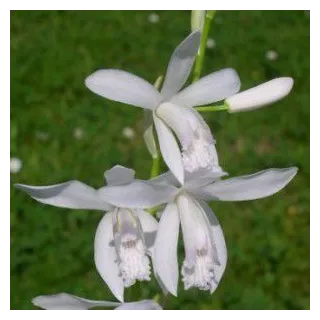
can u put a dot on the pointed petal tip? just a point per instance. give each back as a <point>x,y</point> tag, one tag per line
<point>292,172</point>
<point>119,297</point>
<point>190,46</point>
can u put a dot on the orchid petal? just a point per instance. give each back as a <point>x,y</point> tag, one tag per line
<point>201,254</point>
<point>65,301</point>
<point>124,87</point>
<point>140,305</point>
<point>72,194</point>
<point>181,120</point>
<point>195,180</point>
<point>165,250</point>
<point>218,242</point>
<point>209,89</point>
<point>249,187</point>
<point>139,194</point>
<point>196,140</point>
<point>119,175</point>
<point>167,178</point>
<point>192,225</point>
<point>169,149</point>
<point>180,65</point>
<point>105,257</point>
<point>148,134</point>
<point>149,226</point>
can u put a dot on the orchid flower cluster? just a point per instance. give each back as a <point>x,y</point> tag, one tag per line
<point>129,241</point>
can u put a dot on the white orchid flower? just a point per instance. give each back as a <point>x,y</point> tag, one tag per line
<point>172,110</point>
<point>125,235</point>
<point>205,248</point>
<point>65,301</point>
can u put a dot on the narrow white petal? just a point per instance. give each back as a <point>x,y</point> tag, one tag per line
<point>249,187</point>
<point>72,194</point>
<point>259,96</point>
<point>139,194</point>
<point>124,87</point>
<point>218,242</point>
<point>140,305</point>
<point>119,175</point>
<point>65,301</point>
<point>148,134</point>
<point>209,89</point>
<point>180,65</point>
<point>169,149</point>
<point>105,257</point>
<point>198,179</point>
<point>165,250</point>
<point>167,178</point>
<point>149,226</point>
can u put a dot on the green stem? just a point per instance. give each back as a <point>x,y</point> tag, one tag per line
<point>155,168</point>
<point>201,53</point>
<point>212,108</point>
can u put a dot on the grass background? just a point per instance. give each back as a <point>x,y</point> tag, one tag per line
<point>53,52</point>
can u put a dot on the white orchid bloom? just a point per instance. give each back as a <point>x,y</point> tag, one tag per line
<point>65,301</point>
<point>261,95</point>
<point>205,248</point>
<point>172,110</point>
<point>125,235</point>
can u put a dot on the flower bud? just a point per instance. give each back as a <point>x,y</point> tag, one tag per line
<point>260,95</point>
<point>197,20</point>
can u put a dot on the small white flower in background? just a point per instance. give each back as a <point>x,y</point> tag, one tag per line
<point>271,55</point>
<point>211,43</point>
<point>153,18</point>
<point>173,112</point>
<point>128,133</point>
<point>125,235</point>
<point>204,244</point>
<point>15,165</point>
<point>41,135</point>
<point>78,133</point>
<point>65,301</point>
<point>261,95</point>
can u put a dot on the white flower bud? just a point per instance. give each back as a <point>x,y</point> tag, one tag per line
<point>261,95</point>
<point>197,20</point>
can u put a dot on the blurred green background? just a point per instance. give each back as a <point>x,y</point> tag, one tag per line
<point>62,131</point>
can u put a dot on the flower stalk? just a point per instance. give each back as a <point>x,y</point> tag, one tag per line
<point>221,107</point>
<point>201,53</point>
<point>155,168</point>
